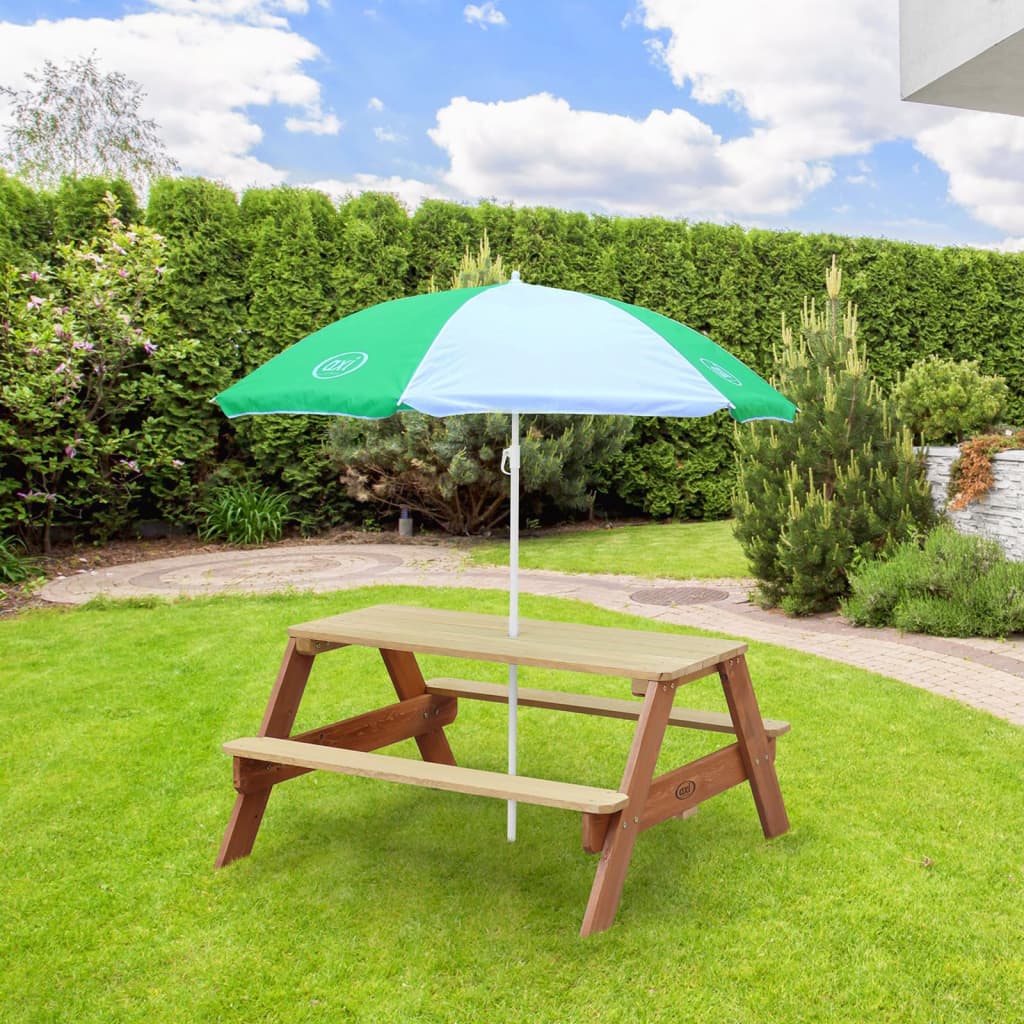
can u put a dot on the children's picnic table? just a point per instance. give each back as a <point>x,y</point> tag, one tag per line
<point>656,663</point>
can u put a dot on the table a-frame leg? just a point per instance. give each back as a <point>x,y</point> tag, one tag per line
<point>624,827</point>
<point>408,682</point>
<point>755,750</point>
<point>278,720</point>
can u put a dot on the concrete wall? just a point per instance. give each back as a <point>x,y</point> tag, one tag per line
<point>1000,514</point>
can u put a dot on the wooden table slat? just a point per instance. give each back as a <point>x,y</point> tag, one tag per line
<point>601,650</point>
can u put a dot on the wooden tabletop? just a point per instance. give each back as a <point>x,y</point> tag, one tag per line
<point>603,650</point>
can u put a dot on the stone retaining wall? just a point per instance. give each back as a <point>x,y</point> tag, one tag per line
<point>1000,514</point>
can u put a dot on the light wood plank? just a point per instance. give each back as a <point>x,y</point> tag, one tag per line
<point>408,719</point>
<point>567,795</point>
<point>603,650</point>
<point>584,704</point>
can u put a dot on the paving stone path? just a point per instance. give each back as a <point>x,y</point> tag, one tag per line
<point>987,674</point>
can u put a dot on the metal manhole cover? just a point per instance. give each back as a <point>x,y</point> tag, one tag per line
<point>678,595</point>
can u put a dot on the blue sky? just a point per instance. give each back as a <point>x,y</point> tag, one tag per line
<point>779,115</point>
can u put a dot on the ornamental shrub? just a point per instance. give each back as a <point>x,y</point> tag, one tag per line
<point>439,234</point>
<point>16,565</point>
<point>476,271</point>
<point>78,373</point>
<point>943,401</point>
<point>837,487</point>
<point>953,585</point>
<point>448,470</point>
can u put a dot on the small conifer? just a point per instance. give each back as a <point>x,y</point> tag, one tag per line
<point>841,484</point>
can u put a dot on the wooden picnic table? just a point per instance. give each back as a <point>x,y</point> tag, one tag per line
<point>656,663</point>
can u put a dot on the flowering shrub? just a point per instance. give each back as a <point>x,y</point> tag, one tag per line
<point>79,365</point>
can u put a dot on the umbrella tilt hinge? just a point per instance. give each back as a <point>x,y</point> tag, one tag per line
<point>510,459</point>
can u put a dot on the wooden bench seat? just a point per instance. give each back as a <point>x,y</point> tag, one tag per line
<point>607,707</point>
<point>568,795</point>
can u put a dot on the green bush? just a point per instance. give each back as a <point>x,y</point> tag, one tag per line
<point>246,279</point>
<point>203,297</point>
<point>292,238</point>
<point>243,514</point>
<point>673,468</point>
<point>82,351</point>
<point>79,211</point>
<point>944,401</point>
<point>955,585</point>
<point>448,470</point>
<point>26,223</point>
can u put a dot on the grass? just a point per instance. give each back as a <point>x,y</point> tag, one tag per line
<point>896,896</point>
<point>678,550</point>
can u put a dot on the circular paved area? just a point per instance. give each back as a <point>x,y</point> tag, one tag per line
<point>987,674</point>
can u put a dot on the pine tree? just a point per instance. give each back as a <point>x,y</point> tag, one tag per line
<point>478,270</point>
<point>840,485</point>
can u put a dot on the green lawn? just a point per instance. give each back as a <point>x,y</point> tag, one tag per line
<point>679,550</point>
<point>896,896</point>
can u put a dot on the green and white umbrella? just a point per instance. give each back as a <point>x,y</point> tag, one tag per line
<point>506,348</point>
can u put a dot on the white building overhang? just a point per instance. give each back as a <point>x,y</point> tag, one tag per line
<point>963,53</point>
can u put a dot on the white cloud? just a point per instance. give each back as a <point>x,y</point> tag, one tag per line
<point>200,74</point>
<point>823,82</point>
<point>484,14</point>
<point>1010,245</point>
<point>540,150</point>
<point>409,191</point>
<point>823,79</point>
<point>322,124</point>
<point>983,155</point>
<point>257,12</point>
<point>815,86</point>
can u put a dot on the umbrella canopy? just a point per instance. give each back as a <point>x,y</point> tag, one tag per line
<point>509,348</point>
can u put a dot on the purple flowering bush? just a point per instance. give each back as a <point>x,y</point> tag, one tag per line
<point>82,349</point>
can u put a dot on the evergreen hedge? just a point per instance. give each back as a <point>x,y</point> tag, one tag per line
<point>248,277</point>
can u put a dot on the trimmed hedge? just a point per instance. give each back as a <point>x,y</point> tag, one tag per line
<point>247,278</point>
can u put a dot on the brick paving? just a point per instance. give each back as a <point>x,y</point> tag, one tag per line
<point>986,674</point>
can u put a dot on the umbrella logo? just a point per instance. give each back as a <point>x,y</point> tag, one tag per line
<point>722,372</point>
<point>340,365</point>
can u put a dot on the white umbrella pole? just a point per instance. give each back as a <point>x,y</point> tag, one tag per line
<point>513,612</point>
